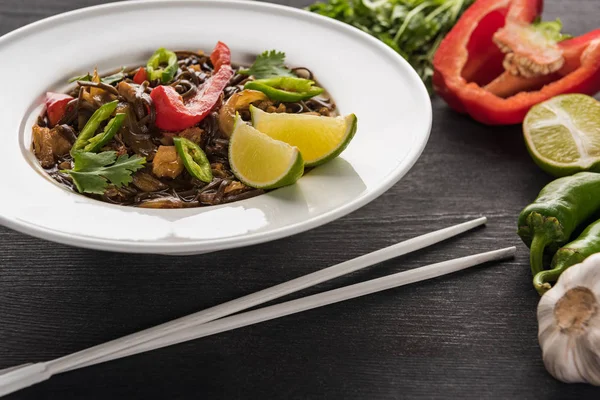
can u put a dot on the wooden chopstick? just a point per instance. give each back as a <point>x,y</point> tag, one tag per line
<point>196,325</point>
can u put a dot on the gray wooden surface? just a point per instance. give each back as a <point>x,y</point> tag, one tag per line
<point>470,335</point>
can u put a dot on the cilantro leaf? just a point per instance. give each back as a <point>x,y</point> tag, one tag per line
<point>114,78</point>
<point>86,161</point>
<point>268,65</point>
<point>109,80</point>
<point>84,78</point>
<point>92,172</point>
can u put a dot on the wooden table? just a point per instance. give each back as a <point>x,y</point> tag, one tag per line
<point>469,335</point>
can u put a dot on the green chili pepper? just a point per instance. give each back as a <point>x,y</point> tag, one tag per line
<point>560,207</point>
<point>100,115</point>
<point>585,245</point>
<point>194,159</point>
<point>113,126</point>
<point>285,88</point>
<point>155,68</point>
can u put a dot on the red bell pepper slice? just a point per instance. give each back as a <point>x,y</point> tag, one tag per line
<point>56,106</point>
<point>173,114</point>
<point>469,72</point>
<point>140,76</point>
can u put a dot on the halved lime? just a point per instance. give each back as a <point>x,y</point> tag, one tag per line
<point>262,162</point>
<point>563,134</point>
<point>319,139</point>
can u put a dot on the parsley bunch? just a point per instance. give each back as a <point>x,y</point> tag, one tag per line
<point>413,28</point>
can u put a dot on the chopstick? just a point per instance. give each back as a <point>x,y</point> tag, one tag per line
<point>129,344</point>
<point>134,343</point>
<point>35,373</point>
<point>314,301</point>
<point>95,354</point>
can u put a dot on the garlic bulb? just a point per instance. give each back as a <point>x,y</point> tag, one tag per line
<point>569,324</point>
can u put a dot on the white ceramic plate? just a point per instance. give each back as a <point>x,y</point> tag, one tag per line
<point>363,75</point>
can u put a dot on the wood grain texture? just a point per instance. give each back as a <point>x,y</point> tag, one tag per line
<point>469,335</point>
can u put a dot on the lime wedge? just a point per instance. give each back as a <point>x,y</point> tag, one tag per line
<point>319,139</point>
<point>563,134</point>
<point>262,162</point>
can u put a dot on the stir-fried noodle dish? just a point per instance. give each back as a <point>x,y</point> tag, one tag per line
<point>161,135</point>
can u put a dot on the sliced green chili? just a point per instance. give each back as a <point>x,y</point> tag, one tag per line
<point>99,116</point>
<point>98,141</point>
<point>156,68</point>
<point>194,159</point>
<point>285,88</point>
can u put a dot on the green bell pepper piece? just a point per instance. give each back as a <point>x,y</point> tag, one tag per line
<point>194,159</point>
<point>113,126</point>
<point>156,71</point>
<point>285,88</point>
<point>99,116</point>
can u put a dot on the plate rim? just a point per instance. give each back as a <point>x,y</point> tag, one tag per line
<point>198,246</point>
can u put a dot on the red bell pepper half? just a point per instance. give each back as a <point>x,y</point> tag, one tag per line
<point>173,114</point>
<point>494,65</point>
<point>56,106</point>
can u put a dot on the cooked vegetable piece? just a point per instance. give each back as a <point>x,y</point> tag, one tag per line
<point>268,65</point>
<point>194,159</point>
<point>167,163</point>
<point>97,142</point>
<point>147,183</point>
<point>56,106</point>
<point>285,88</point>
<point>49,145</point>
<point>570,254</point>
<point>193,134</point>
<point>140,76</point>
<point>165,202</point>
<point>240,100</point>
<point>162,65</point>
<point>99,116</point>
<point>172,114</point>
<point>92,172</point>
<point>561,206</point>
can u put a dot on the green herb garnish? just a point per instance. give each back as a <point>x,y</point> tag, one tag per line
<point>109,80</point>
<point>413,28</point>
<point>92,172</point>
<point>268,65</point>
<point>84,78</point>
